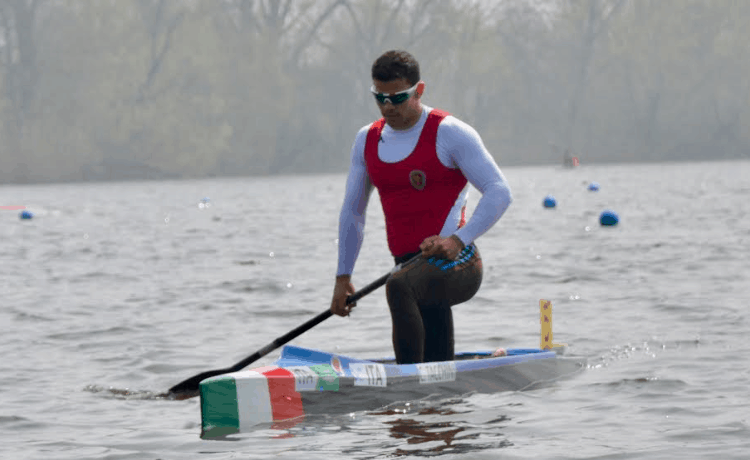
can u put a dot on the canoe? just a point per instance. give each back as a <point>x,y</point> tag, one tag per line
<point>304,381</point>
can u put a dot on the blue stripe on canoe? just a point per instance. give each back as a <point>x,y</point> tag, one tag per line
<point>298,356</point>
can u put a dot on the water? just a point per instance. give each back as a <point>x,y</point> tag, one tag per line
<point>115,292</point>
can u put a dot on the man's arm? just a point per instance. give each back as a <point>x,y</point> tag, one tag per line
<point>352,217</point>
<point>467,152</point>
<point>351,225</point>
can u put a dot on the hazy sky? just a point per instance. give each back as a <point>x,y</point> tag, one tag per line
<point>168,88</point>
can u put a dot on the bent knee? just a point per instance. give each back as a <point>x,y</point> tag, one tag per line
<point>397,289</point>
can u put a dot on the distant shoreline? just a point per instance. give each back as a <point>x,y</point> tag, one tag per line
<point>151,177</point>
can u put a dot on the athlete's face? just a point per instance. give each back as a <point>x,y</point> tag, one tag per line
<point>403,115</point>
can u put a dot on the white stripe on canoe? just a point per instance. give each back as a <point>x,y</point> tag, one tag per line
<point>253,399</point>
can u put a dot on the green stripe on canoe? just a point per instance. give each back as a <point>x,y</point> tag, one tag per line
<point>328,380</point>
<point>219,410</point>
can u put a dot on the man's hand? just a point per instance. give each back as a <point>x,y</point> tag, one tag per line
<point>341,290</point>
<point>444,248</point>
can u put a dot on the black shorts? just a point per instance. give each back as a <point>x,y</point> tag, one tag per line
<point>420,297</point>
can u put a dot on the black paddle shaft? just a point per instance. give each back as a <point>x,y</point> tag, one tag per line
<point>189,388</point>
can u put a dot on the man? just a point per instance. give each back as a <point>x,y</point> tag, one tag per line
<point>421,161</point>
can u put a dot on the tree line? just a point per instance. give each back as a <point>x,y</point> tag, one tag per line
<point>139,89</point>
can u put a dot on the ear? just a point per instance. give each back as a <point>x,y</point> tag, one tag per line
<point>420,88</point>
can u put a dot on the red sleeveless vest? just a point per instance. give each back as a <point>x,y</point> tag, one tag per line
<point>418,192</point>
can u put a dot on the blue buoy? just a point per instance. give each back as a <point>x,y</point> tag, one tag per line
<point>608,218</point>
<point>594,186</point>
<point>549,201</point>
<point>26,214</point>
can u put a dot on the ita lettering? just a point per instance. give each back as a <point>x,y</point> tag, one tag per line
<point>369,375</point>
<point>374,377</point>
<point>304,378</point>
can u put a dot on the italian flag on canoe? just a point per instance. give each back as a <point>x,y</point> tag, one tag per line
<point>234,402</point>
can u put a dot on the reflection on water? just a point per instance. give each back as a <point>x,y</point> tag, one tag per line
<point>437,437</point>
<point>424,428</point>
<point>416,432</point>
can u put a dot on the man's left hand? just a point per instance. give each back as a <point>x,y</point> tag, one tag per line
<point>443,248</point>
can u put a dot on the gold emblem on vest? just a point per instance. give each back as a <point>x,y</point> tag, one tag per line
<point>418,179</point>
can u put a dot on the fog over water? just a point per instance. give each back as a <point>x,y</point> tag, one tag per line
<point>163,89</point>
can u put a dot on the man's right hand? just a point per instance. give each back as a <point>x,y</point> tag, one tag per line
<point>341,290</point>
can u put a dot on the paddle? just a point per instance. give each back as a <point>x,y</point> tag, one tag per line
<point>189,388</point>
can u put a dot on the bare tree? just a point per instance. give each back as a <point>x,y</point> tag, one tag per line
<point>19,51</point>
<point>595,17</point>
<point>160,27</point>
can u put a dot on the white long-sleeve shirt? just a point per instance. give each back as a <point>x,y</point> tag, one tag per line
<point>459,146</point>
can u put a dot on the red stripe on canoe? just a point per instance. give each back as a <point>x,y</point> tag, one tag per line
<point>286,402</point>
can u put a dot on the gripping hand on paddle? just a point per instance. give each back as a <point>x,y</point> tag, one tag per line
<point>341,290</point>
<point>443,248</point>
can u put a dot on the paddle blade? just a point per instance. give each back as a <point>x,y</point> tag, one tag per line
<point>190,388</point>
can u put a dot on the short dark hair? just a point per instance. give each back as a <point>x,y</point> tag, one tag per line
<point>396,64</point>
